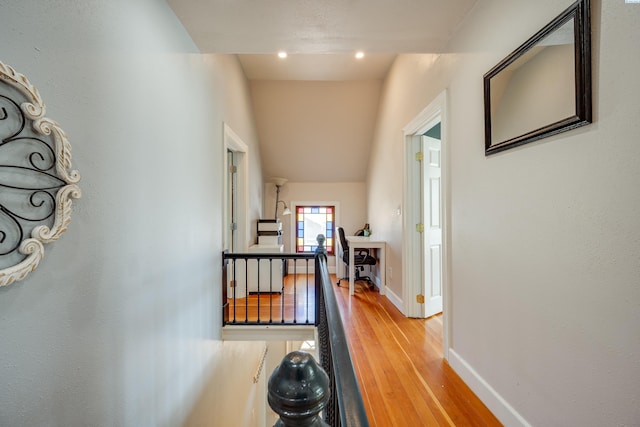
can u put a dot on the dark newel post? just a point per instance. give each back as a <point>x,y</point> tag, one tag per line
<point>321,251</point>
<point>298,391</point>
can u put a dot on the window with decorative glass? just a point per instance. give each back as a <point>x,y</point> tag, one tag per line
<point>311,221</point>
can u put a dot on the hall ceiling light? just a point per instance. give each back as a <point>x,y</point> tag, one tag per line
<point>359,55</point>
<point>282,54</point>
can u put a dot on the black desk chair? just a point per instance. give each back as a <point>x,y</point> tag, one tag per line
<point>360,259</point>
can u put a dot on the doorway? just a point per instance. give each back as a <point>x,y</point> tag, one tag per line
<point>235,224</point>
<point>235,221</point>
<point>431,202</point>
<point>231,211</point>
<point>426,222</point>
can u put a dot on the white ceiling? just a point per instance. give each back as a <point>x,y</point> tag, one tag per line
<point>321,67</point>
<point>332,29</point>
<point>321,38</point>
<point>321,26</point>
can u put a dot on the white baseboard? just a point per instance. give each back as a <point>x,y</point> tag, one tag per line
<point>395,300</point>
<point>490,397</point>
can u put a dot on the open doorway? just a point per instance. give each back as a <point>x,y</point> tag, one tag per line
<point>235,192</point>
<point>425,222</point>
<point>430,145</point>
<point>235,224</point>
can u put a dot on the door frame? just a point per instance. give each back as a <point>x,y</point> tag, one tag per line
<point>232,142</point>
<point>412,254</point>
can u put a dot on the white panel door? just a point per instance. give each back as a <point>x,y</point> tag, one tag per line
<point>432,217</point>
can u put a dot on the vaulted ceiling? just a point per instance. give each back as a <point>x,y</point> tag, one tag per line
<point>313,109</point>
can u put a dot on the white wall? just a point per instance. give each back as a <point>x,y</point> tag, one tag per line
<point>350,198</point>
<point>118,324</point>
<point>232,90</point>
<point>545,238</point>
<point>235,392</point>
<point>305,126</point>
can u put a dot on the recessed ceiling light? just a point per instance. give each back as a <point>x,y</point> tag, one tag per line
<point>359,55</point>
<point>282,54</point>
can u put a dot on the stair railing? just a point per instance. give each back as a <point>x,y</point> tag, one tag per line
<point>300,389</point>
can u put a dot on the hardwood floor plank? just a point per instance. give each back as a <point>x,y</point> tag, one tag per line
<point>424,408</point>
<point>404,354</point>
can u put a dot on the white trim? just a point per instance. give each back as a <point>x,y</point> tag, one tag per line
<point>268,333</point>
<point>425,119</point>
<point>234,143</point>
<point>395,300</point>
<point>411,265</point>
<point>507,415</point>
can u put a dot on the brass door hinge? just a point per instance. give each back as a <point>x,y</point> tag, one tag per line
<point>420,228</point>
<point>419,156</point>
<point>420,299</point>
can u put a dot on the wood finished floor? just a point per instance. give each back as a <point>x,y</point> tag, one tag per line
<point>398,361</point>
<point>403,378</point>
<point>295,304</point>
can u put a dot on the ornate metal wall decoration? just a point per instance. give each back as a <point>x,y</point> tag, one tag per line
<point>37,184</point>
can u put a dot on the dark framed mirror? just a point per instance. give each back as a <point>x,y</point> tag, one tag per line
<point>544,86</point>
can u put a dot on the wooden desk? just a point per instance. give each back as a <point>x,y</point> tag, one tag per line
<point>361,242</point>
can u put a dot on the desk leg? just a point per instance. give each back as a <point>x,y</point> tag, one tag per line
<point>383,270</point>
<point>352,271</point>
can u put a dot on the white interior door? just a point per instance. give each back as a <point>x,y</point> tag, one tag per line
<point>432,220</point>
<point>232,200</point>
